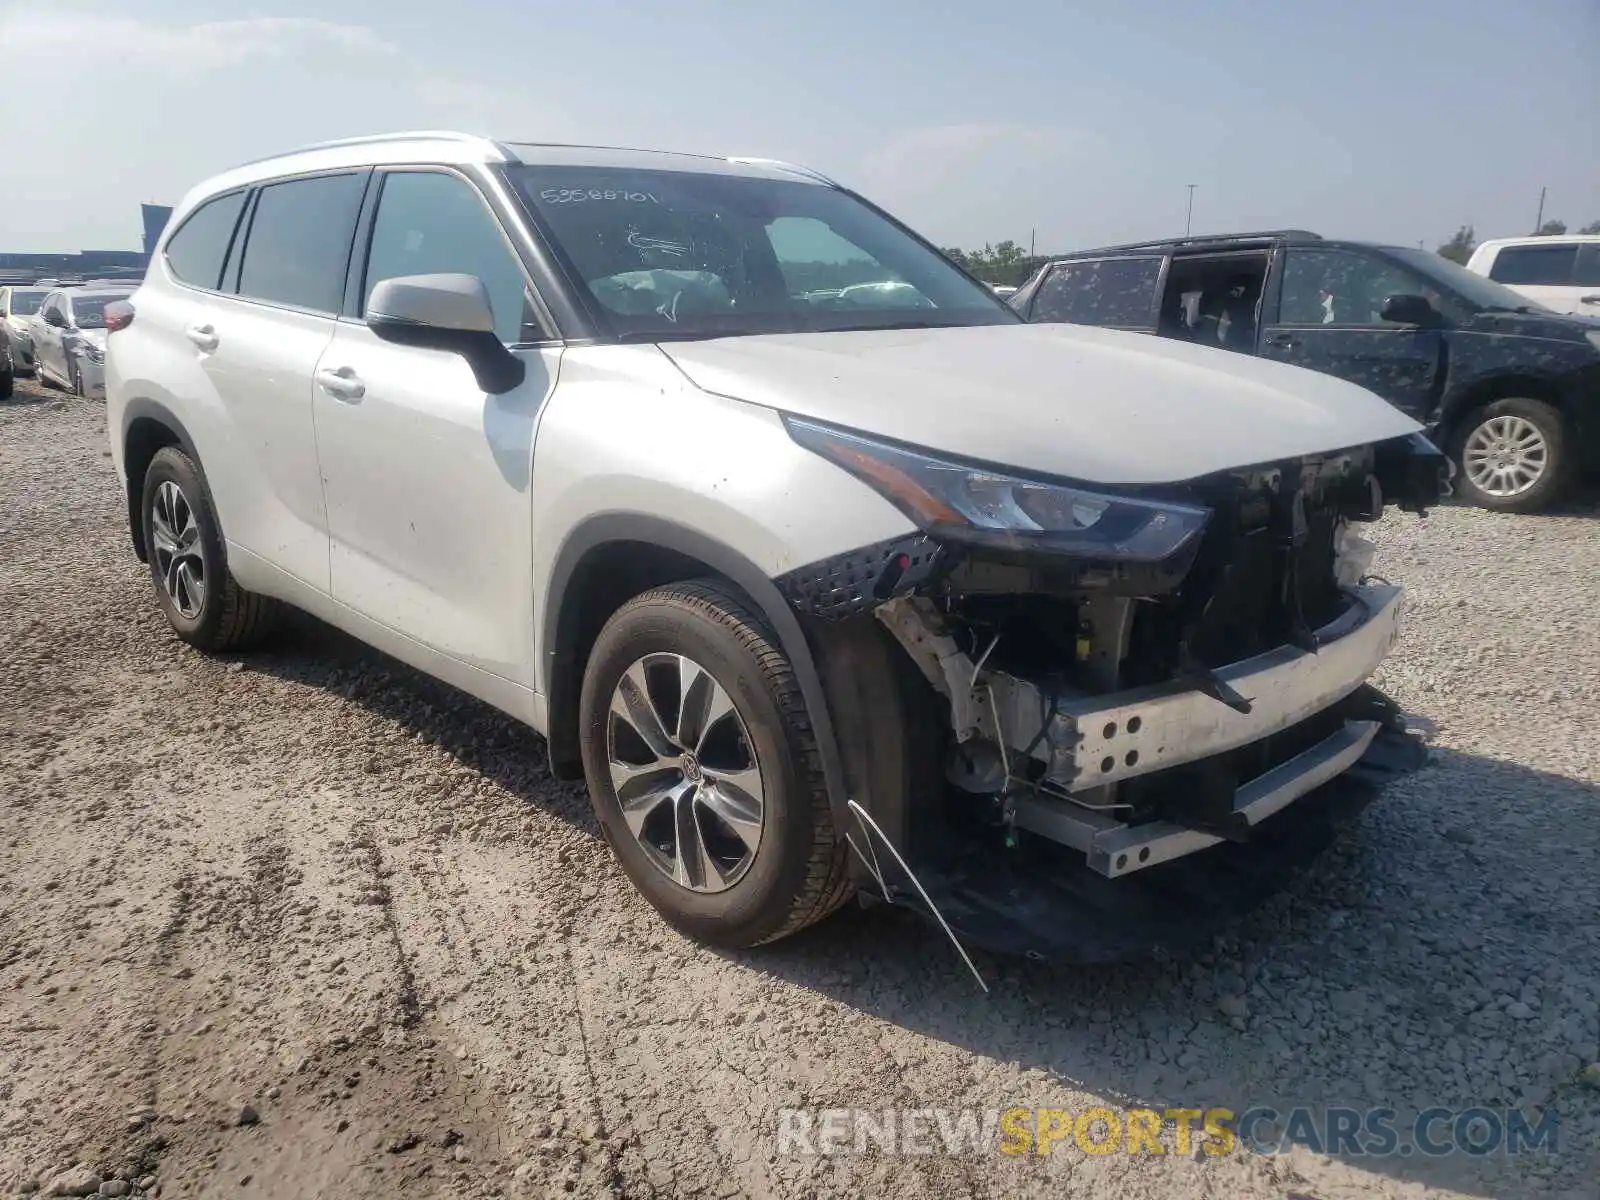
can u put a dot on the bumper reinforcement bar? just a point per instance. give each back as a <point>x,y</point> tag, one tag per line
<point>1114,848</point>
<point>1089,740</point>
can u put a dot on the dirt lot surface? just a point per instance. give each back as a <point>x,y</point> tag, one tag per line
<point>308,924</point>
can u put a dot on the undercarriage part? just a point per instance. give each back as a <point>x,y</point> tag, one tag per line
<point>1115,848</point>
<point>1042,901</point>
<point>918,628</point>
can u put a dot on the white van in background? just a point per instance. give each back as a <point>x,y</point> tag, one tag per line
<point>1561,273</point>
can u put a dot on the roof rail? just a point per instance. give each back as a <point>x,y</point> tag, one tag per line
<point>370,139</point>
<point>1303,235</point>
<point>778,164</point>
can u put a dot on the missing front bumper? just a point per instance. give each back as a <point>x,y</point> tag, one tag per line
<point>1093,740</point>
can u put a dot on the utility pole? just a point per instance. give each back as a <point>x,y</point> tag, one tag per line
<point>1032,234</point>
<point>1188,220</point>
<point>1538,222</point>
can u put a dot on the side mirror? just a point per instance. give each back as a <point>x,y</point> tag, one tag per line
<point>53,317</point>
<point>450,313</point>
<point>1406,309</point>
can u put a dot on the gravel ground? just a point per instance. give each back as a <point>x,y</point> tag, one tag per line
<point>306,923</point>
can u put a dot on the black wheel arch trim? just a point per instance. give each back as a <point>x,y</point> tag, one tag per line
<point>151,410</point>
<point>563,676</point>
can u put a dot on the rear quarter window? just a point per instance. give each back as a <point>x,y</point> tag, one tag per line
<point>1547,265</point>
<point>195,253</point>
<point>1106,291</point>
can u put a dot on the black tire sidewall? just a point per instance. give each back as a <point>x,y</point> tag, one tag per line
<point>1550,485</point>
<point>760,903</point>
<point>171,464</point>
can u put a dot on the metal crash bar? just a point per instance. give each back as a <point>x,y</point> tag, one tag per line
<point>1114,848</point>
<point>1093,740</point>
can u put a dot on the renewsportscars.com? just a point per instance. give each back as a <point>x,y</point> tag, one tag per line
<point>1260,1129</point>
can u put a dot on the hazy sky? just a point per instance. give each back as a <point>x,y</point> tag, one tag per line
<point>972,120</point>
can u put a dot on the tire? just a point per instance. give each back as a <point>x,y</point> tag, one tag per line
<point>77,380</point>
<point>7,383</point>
<point>1507,423</point>
<point>797,872</point>
<point>219,615</point>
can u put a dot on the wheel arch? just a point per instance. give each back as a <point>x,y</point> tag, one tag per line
<point>615,556</point>
<point>1507,386</point>
<point>147,427</point>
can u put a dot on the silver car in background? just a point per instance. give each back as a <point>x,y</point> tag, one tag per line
<point>17,308</point>
<point>69,338</point>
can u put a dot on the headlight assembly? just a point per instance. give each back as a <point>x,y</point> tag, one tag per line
<point>981,506</point>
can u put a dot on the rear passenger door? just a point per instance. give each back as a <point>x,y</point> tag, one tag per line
<point>260,344</point>
<point>1116,293</point>
<point>428,477</point>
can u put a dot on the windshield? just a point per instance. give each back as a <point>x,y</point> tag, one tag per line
<point>89,312</point>
<point>684,254</point>
<point>1473,288</point>
<point>25,301</point>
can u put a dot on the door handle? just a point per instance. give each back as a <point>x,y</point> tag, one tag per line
<point>1286,340</point>
<point>341,384</point>
<point>202,336</point>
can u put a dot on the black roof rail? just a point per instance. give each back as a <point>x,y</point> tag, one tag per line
<point>1299,235</point>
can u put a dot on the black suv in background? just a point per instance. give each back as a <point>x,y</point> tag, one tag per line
<point>1511,389</point>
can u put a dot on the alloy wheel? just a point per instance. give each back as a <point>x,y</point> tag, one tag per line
<point>1505,455</point>
<point>177,545</point>
<point>684,772</point>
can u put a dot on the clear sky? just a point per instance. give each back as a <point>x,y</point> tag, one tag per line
<point>973,120</point>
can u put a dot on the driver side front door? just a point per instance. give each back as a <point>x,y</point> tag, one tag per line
<point>427,477</point>
<point>1328,320</point>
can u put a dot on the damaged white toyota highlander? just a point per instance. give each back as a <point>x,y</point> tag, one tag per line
<point>830,575</point>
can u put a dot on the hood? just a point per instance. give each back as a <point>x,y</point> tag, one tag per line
<point>1537,321</point>
<point>1087,404</point>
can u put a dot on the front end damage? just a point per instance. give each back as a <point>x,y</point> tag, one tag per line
<point>1101,758</point>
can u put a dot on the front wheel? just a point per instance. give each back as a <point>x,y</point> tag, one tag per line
<point>1513,456</point>
<point>203,603</point>
<point>703,769</point>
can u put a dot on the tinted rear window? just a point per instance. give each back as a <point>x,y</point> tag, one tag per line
<point>1107,291</point>
<point>24,303</point>
<point>1534,264</point>
<point>89,312</point>
<point>299,242</point>
<point>196,251</point>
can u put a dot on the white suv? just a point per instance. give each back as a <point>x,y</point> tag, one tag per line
<point>1561,273</point>
<point>823,588</point>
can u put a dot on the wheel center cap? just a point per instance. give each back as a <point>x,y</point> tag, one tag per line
<point>691,769</point>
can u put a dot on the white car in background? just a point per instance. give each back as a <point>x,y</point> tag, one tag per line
<point>1560,273</point>
<point>69,338</point>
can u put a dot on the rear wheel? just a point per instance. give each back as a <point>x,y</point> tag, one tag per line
<point>203,603</point>
<point>703,769</point>
<point>1513,456</point>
